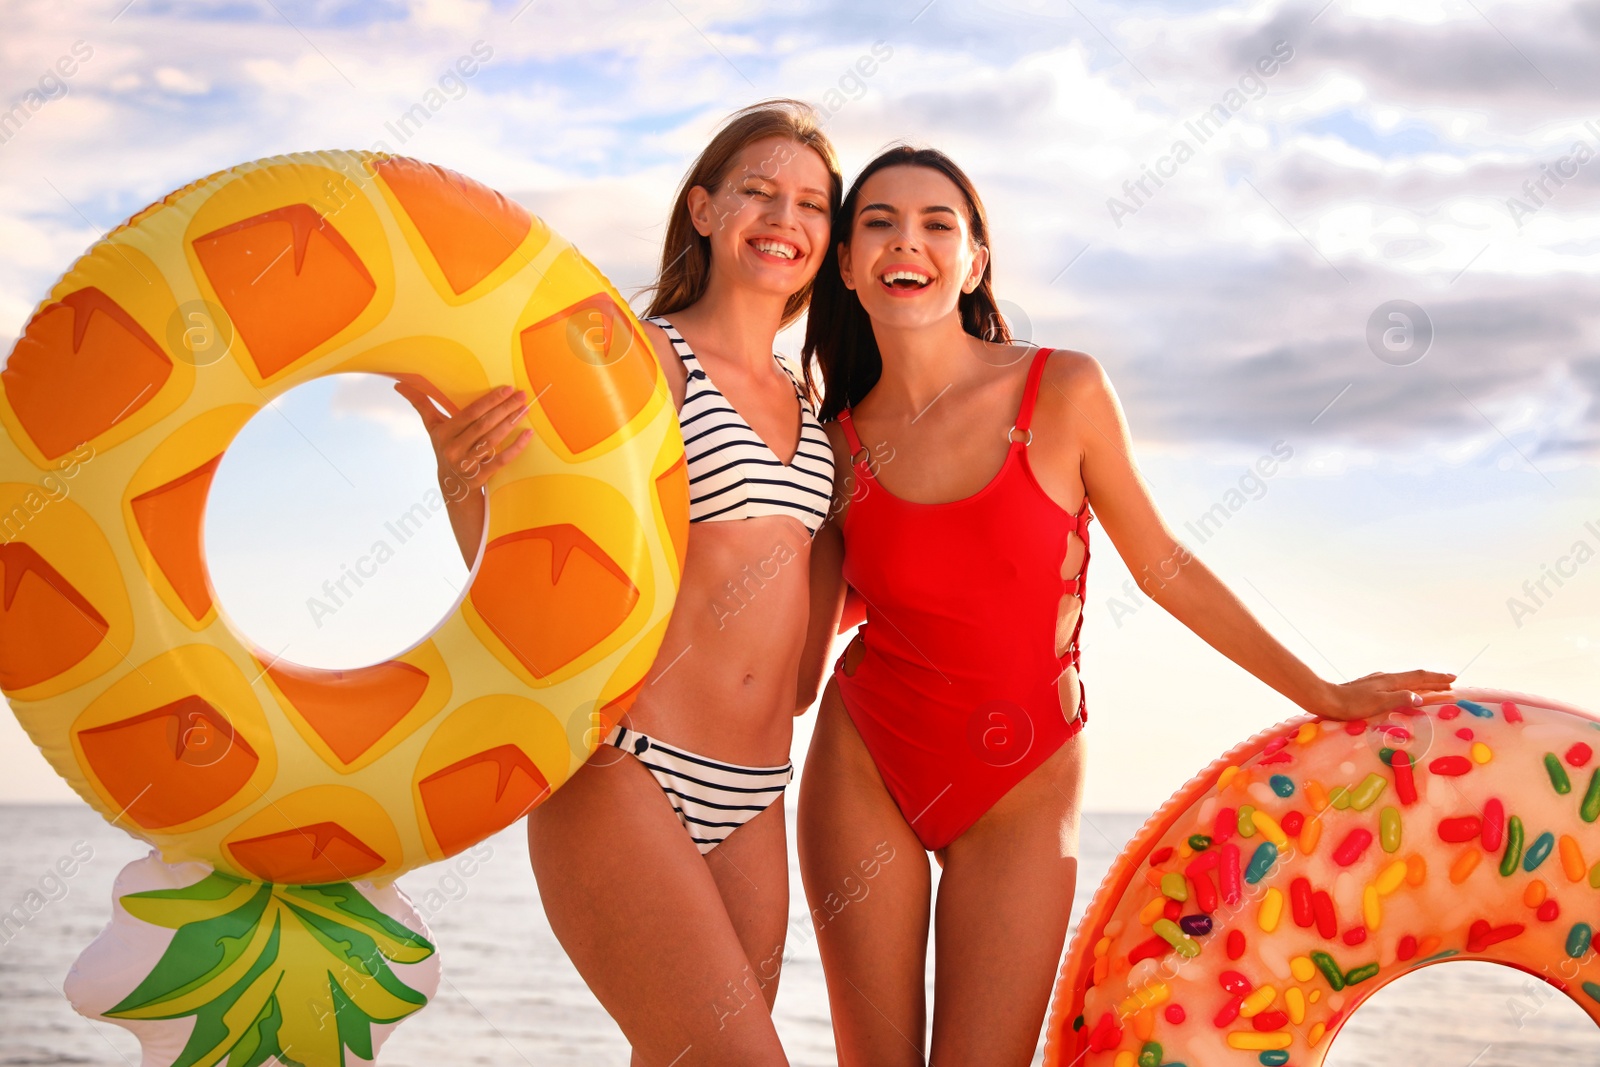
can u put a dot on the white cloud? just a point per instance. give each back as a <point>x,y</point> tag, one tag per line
<point>450,14</point>
<point>1223,329</point>
<point>177,81</point>
<point>371,397</point>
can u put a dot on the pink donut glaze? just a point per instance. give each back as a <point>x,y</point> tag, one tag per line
<point>1393,865</point>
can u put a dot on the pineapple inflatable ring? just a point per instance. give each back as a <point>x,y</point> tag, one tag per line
<point>132,378</point>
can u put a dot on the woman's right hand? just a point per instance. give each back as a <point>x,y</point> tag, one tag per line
<point>1376,693</point>
<point>467,444</point>
<point>467,447</point>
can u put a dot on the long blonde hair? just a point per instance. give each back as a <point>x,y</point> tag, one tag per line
<point>686,255</point>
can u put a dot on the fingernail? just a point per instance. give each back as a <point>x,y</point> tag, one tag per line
<point>504,390</point>
<point>522,394</point>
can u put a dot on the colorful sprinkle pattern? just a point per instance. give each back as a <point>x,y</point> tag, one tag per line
<point>1321,860</point>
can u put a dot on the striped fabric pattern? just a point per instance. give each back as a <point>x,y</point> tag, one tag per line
<point>733,474</point>
<point>712,798</point>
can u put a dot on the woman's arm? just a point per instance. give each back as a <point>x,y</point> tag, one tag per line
<point>468,448</point>
<point>827,604</point>
<point>1177,580</point>
<point>827,579</point>
<point>468,445</point>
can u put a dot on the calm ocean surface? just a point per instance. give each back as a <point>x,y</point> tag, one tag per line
<point>509,996</point>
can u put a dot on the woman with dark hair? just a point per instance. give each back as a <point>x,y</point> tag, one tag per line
<point>963,473</point>
<point>662,862</point>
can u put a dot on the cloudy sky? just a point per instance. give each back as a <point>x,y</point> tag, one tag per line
<point>1359,268</point>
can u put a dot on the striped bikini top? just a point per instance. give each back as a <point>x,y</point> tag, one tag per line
<point>733,474</point>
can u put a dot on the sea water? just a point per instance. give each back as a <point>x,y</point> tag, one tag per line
<point>509,995</point>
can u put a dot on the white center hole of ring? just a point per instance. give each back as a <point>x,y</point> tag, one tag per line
<point>326,537</point>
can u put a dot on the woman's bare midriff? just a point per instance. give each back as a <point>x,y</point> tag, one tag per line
<point>724,682</point>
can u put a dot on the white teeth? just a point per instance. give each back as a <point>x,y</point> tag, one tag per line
<point>906,275</point>
<point>777,249</point>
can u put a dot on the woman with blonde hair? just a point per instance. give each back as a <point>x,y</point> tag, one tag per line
<point>662,863</point>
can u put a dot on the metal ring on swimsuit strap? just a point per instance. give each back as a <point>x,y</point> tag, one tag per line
<point>1028,440</point>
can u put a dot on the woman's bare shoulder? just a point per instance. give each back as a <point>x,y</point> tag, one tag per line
<point>1068,365</point>
<point>841,444</point>
<point>844,474</point>
<point>659,342</point>
<point>667,359</point>
<point>1062,365</point>
<point>1074,379</point>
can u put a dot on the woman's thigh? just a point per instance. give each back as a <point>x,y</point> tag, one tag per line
<point>636,908</point>
<point>1005,900</point>
<point>867,884</point>
<point>751,869</point>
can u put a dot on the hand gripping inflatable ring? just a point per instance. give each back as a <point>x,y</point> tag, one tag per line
<point>1319,861</point>
<point>117,403</point>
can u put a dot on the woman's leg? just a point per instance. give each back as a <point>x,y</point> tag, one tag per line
<point>633,903</point>
<point>1005,899</point>
<point>867,882</point>
<point>751,869</point>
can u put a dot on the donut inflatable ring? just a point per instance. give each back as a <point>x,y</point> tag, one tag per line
<point>1321,860</point>
<point>117,403</point>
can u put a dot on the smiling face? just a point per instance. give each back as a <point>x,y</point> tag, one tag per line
<point>768,218</point>
<point>911,252</point>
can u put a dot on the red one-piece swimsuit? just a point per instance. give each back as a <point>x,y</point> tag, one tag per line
<point>955,696</point>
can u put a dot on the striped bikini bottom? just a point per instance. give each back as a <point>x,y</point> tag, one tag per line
<point>712,798</point>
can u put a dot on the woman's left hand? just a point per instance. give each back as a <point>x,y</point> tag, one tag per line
<point>1376,693</point>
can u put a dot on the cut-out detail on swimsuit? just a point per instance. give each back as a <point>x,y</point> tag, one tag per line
<point>733,473</point>
<point>955,695</point>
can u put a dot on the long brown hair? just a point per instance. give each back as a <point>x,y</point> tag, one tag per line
<point>686,255</point>
<point>838,330</point>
